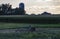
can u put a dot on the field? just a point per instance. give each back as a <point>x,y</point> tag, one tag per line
<point>48,27</point>
<point>43,34</point>
<point>31,19</point>
<point>16,25</point>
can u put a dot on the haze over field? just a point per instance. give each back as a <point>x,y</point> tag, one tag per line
<point>37,6</point>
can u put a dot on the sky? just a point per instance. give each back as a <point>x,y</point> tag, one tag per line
<point>36,6</point>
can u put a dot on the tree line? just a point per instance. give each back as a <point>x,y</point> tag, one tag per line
<point>6,9</point>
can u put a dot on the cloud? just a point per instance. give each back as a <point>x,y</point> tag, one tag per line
<point>36,6</point>
<point>43,0</point>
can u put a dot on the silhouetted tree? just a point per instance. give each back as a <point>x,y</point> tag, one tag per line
<point>6,9</point>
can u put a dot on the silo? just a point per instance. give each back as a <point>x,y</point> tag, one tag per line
<point>21,6</point>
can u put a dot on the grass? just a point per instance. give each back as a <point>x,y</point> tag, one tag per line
<point>30,35</point>
<point>16,25</point>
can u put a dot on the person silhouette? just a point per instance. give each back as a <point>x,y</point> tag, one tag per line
<point>31,29</point>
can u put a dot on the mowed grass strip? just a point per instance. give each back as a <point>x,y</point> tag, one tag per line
<point>17,25</point>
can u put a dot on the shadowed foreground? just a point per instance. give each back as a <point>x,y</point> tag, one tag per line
<point>24,33</point>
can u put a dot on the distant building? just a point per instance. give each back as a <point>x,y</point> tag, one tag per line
<point>33,14</point>
<point>46,13</point>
